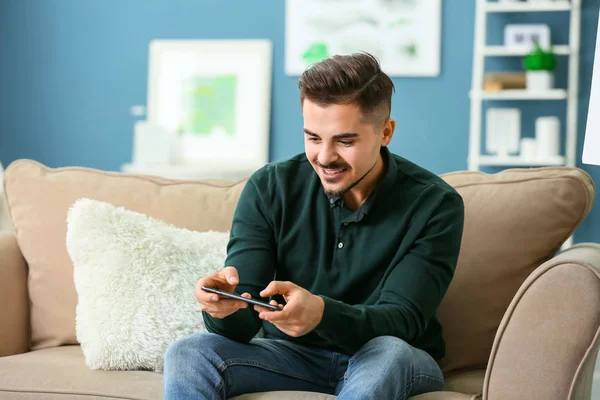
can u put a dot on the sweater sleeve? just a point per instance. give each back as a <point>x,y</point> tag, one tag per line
<point>411,293</point>
<point>251,250</point>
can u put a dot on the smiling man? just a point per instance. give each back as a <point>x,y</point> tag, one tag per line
<point>356,245</point>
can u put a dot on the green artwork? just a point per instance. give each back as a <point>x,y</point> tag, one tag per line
<point>411,50</point>
<point>208,104</point>
<point>315,53</point>
<point>404,35</point>
<point>399,22</point>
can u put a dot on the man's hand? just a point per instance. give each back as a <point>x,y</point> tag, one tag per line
<point>226,280</point>
<point>301,314</point>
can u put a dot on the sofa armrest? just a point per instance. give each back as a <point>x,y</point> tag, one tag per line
<point>14,308</point>
<point>547,342</point>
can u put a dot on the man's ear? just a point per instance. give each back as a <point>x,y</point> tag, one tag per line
<point>388,131</point>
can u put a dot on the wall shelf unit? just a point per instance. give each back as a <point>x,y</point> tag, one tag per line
<point>482,50</point>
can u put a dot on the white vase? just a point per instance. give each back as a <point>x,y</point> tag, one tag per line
<point>547,135</point>
<point>540,80</point>
<point>503,131</point>
<point>528,148</point>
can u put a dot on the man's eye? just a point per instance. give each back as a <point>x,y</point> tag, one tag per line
<point>313,139</point>
<point>347,142</point>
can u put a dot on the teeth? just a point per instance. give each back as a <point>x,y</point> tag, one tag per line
<point>333,171</point>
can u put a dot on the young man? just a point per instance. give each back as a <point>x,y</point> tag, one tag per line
<point>357,244</point>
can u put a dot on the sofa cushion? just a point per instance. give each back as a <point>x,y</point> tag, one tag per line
<point>39,198</point>
<point>135,278</point>
<point>515,220</point>
<point>60,373</point>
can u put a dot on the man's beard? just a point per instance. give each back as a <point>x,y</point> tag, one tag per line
<point>341,192</point>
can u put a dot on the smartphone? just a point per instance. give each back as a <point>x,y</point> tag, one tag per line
<point>236,297</point>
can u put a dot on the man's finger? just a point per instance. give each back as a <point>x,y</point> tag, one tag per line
<point>202,296</point>
<point>260,309</point>
<point>224,305</point>
<point>274,303</point>
<point>273,316</point>
<point>231,275</point>
<point>277,287</point>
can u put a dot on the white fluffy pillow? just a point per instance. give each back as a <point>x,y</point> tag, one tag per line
<point>135,278</point>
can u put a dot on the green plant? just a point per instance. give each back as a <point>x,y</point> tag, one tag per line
<point>540,60</point>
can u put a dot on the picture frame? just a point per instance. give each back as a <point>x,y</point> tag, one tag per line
<point>525,36</point>
<point>213,97</point>
<point>405,36</point>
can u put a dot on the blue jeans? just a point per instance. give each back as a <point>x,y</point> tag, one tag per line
<point>210,366</point>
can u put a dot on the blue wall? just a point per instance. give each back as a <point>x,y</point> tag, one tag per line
<point>70,70</point>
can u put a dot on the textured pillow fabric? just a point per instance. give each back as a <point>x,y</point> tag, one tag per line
<point>135,278</point>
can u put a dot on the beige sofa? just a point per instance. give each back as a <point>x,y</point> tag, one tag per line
<point>520,321</point>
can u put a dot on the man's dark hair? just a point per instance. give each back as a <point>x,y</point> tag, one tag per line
<point>349,79</point>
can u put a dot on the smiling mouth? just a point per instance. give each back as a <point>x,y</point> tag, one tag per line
<point>333,172</point>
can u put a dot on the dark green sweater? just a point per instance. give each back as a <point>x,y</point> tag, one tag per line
<point>381,270</point>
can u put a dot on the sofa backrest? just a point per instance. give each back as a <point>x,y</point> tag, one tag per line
<point>39,199</point>
<point>514,221</point>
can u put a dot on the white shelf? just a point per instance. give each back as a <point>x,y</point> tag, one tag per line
<point>517,161</point>
<point>528,6</point>
<point>521,94</point>
<point>507,51</point>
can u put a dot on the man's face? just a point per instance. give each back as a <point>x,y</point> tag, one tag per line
<point>341,146</point>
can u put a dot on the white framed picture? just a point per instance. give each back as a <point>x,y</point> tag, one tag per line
<point>214,97</point>
<point>525,36</point>
<point>405,35</point>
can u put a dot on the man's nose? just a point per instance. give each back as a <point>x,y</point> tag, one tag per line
<point>327,155</point>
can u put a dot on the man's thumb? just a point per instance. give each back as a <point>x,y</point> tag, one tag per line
<point>231,275</point>
<point>276,287</point>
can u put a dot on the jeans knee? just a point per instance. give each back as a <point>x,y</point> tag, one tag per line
<point>390,350</point>
<point>184,350</point>
<point>389,344</point>
<point>390,368</point>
